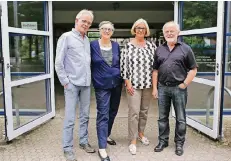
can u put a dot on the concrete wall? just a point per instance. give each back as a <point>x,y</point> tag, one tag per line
<point>117,16</point>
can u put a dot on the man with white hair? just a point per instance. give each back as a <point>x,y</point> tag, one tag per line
<point>72,65</point>
<point>174,69</point>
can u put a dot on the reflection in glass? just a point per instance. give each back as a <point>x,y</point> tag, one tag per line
<point>30,101</point>
<point>27,15</point>
<point>93,35</point>
<point>198,14</point>
<point>227,77</point>
<point>204,48</point>
<point>198,107</point>
<point>28,55</point>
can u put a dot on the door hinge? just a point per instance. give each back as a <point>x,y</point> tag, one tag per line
<point>2,64</point>
<point>6,121</point>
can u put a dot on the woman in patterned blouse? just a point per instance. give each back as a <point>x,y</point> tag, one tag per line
<point>136,62</point>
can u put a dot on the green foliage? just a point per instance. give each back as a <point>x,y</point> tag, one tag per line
<point>199,14</point>
<point>28,11</point>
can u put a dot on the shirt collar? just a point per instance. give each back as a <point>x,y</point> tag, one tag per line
<point>77,32</point>
<point>178,42</point>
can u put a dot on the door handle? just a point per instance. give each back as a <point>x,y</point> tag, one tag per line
<point>8,65</point>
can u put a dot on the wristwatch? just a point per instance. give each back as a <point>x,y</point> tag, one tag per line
<point>185,84</point>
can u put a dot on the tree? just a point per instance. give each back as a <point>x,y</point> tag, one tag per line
<point>199,14</point>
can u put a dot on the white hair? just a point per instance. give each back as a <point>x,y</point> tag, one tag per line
<point>106,22</point>
<point>172,23</point>
<point>138,22</point>
<point>83,12</point>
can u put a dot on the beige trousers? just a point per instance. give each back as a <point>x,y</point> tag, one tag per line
<point>138,105</point>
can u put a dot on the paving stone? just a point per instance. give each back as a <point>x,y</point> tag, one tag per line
<point>44,143</point>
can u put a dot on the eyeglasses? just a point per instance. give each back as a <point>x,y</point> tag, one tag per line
<point>140,28</point>
<point>169,32</point>
<point>86,22</point>
<point>107,29</point>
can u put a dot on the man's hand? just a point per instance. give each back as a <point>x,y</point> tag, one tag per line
<point>129,88</point>
<point>182,86</point>
<point>155,93</point>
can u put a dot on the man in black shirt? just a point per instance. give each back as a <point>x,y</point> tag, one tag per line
<point>174,69</point>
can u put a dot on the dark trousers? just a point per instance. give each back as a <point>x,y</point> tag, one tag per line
<point>108,101</point>
<point>178,97</point>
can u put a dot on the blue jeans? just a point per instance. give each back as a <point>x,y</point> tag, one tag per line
<point>178,97</point>
<point>108,101</point>
<point>73,95</point>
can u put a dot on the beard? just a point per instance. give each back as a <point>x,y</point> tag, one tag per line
<point>171,40</point>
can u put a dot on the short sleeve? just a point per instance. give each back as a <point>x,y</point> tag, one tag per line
<point>156,61</point>
<point>191,61</point>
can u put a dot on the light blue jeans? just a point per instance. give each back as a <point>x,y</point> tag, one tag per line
<point>73,95</point>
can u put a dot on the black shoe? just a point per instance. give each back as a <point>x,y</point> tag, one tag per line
<point>179,150</point>
<point>111,142</point>
<point>103,159</point>
<point>160,147</point>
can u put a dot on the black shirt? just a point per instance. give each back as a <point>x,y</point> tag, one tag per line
<point>173,65</point>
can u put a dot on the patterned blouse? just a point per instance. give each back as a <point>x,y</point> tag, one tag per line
<point>136,64</point>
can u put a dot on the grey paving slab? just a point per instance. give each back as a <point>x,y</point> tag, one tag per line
<point>44,142</point>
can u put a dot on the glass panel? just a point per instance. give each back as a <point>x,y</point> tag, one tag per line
<point>27,15</point>
<point>198,14</point>
<point>28,55</point>
<point>30,101</point>
<point>93,35</point>
<point>199,107</point>
<point>204,48</point>
<point>227,97</point>
<point>228,19</point>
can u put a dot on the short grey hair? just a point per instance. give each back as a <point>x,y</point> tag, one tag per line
<point>171,23</point>
<point>106,22</point>
<point>83,12</point>
<point>138,22</point>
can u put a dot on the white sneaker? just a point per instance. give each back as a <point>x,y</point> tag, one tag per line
<point>144,140</point>
<point>132,149</point>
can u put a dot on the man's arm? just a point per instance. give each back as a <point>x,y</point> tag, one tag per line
<point>154,83</point>
<point>59,61</point>
<point>192,66</point>
<point>155,75</point>
<point>154,78</point>
<point>191,74</point>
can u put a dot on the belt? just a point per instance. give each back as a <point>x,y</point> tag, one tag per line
<point>170,84</point>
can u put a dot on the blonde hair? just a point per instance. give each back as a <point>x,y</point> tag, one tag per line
<point>85,11</point>
<point>171,23</point>
<point>106,22</point>
<point>138,22</point>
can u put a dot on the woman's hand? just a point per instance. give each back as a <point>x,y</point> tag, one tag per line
<point>129,87</point>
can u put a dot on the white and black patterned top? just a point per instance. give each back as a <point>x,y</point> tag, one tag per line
<point>136,64</point>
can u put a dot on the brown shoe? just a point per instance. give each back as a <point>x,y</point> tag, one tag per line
<point>87,148</point>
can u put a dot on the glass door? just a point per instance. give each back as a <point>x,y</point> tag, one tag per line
<point>27,48</point>
<point>202,24</point>
<point>2,105</point>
